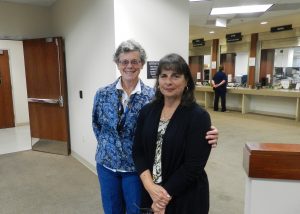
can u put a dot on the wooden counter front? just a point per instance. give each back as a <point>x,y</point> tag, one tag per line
<point>272,160</point>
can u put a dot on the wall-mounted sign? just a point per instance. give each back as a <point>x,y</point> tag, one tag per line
<point>152,69</point>
<point>281,28</point>
<point>252,61</point>
<point>198,42</point>
<point>214,64</point>
<point>234,37</point>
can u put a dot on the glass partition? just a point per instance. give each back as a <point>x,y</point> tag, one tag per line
<point>286,70</point>
<point>235,66</point>
<point>200,68</point>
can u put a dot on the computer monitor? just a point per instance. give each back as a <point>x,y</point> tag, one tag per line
<point>238,79</point>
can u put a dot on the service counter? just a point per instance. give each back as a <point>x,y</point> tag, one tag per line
<point>273,178</point>
<point>280,102</point>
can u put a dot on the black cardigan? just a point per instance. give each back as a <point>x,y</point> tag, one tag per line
<point>185,152</point>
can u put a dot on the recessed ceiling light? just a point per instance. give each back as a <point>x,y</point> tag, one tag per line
<point>197,0</point>
<point>211,31</point>
<point>220,22</point>
<point>264,23</point>
<point>240,9</point>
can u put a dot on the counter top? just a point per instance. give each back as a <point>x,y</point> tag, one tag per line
<point>262,92</point>
<point>271,160</point>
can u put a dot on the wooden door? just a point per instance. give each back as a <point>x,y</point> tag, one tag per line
<point>6,103</point>
<point>267,64</point>
<point>196,65</point>
<point>228,61</point>
<point>47,94</point>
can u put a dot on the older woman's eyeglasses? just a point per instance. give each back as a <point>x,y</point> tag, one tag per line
<point>126,62</point>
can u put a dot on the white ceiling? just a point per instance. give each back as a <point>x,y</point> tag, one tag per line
<point>201,23</point>
<point>283,12</point>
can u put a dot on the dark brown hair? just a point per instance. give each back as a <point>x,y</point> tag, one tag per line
<point>176,63</point>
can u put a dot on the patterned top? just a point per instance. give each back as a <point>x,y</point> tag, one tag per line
<point>157,160</point>
<point>114,149</point>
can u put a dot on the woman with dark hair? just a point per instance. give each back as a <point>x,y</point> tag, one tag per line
<point>170,150</point>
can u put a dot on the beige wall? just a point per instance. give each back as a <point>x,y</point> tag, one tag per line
<point>19,21</point>
<point>24,21</point>
<point>88,30</point>
<point>161,26</point>
<point>18,80</point>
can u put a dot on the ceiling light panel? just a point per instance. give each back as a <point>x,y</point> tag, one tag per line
<point>221,22</point>
<point>198,0</point>
<point>240,9</point>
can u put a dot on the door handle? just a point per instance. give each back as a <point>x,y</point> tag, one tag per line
<point>59,101</point>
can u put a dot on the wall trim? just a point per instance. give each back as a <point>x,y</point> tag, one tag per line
<point>84,162</point>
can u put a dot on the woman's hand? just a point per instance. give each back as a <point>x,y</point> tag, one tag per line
<point>156,210</point>
<point>212,136</point>
<point>159,195</point>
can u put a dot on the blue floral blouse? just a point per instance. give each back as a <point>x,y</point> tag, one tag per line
<point>114,149</point>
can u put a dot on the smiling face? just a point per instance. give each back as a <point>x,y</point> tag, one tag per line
<point>130,66</point>
<point>171,84</point>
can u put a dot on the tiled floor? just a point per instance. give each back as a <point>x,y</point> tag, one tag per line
<point>15,139</point>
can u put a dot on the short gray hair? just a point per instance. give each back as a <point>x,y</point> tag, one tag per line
<point>129,46</point>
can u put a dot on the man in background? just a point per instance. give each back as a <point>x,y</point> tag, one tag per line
<point>219,83</point>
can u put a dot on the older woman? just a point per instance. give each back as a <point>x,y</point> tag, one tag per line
<point>170,150</point>
<point>115,112</point>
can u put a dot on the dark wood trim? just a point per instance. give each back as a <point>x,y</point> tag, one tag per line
<point>7,117</point>
<point>253,50</point>
<point>272,160</point>
<point>227,60</point>
<point>214,55</point>
<point>253,47</point>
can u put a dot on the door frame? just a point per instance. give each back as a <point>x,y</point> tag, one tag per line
<point>9,119</point>
<point>42,125</point>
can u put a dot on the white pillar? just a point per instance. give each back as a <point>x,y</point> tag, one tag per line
<point>160,26</point>
<point>272,196</point>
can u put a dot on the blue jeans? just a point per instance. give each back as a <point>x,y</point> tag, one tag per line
<point>120,191</point>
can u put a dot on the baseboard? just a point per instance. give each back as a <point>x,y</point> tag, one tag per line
<point>22,124</point>
<point>274,114</point>
<point>84,162</point>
